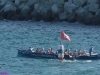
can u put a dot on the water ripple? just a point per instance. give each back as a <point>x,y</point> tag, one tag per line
<point>23,34</point>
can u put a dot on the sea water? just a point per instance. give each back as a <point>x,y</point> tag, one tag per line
<point>24,34</point>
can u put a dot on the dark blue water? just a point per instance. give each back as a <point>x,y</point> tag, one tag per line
<point>23,34</point>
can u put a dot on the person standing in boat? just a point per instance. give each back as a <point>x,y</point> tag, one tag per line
<point>91,50</point>
<point>31,49</point>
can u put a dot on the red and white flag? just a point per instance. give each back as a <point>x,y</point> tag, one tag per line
<point>64,36</point>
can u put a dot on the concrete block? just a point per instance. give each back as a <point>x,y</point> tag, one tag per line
<point>71,1</point>
<point>86,7</point>
<point>17,2</point>
<point>71,17</point>
<point>57,9</point>
<point>3,2</point>
<point>98,13</point>
<point>79,11</point>
<point>88,19</point>
<point>92,1</point>
<point>36,6</point>
<point>25,9</point>
<point>9,7</point>
<point>66,4</point>
<point>48,4</point>
<point>42,1</point>
<point>79,2</point>
<point>93,7</point>
<point>32,2</point>
<point>40,8</point>
<point>69,8</point>
<point>22,6</point>
<point>63,16</point>
<point>58,2</point>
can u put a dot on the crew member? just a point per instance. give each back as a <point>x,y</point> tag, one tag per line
<point>31,49</point>
<point>91,50</point>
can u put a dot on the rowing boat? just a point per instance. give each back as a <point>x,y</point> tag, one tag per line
<point>27,53</point>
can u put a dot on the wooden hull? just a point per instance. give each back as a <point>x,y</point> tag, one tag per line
<point>26,53</point>
<point>92,57</point>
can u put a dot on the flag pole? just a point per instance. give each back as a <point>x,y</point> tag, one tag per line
<point>60,37</point>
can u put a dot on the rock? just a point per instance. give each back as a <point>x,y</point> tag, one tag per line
<point>42,1</point>
<point>46,12</point>
<point>37,17</point>
<point>79,11</point>
<point>1,18</point>
<point>63,16</point>
<point>70,8</point>
<point>98,13</point>
<point>27,17</point>
<point>45,15</point>
<point>59,2</point>
<point>48,17</point>
<point>9,7</point>
<point>66,6</point>
<point>25,9</point>
<point>8,15</point>
<point>18,11</point>
<point>1,7</point>
<point>61,8</point>
<point>97,17</point>
<point>86,7</point>
<point>81,17</point>
<point>22,5</point>
<point>80,2</point>
<point>96,21</point>
<point>57,9</point>
<point>40,8</point>
<point>15,17</point>
<point>32,2</point>
<point>9,2</point>
<point>92,1</point>
<point>93,7</point>
<point>48,4</point>
<point>89,15</point>
<point>31,7</point>
<point>65,0</point>
<point>55,17</point>
<point>17,2</point>
<point>71,17</point>
<point>36,6</point>
<point>24,17</point>
<point>88,19</point>
<point>3,2</point>
<point>33,13</point>
<point>71,1</point>
<point>1,13</point>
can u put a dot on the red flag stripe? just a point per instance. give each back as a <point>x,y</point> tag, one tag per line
<point>64,36</point>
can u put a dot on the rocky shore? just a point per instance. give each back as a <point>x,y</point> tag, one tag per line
<point>83,11</point>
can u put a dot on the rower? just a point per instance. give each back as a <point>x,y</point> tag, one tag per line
<point>91,50</point>
<point>31,49</point>
<point>84,53</point>
<point>61,52</point>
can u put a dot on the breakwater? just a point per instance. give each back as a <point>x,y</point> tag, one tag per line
<point>83,11</point>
